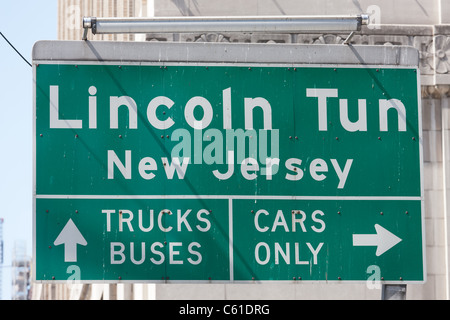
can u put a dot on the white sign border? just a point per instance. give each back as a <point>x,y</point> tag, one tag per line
<point>36,63</point>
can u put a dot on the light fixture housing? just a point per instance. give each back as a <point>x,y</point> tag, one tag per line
<point>280,24</point>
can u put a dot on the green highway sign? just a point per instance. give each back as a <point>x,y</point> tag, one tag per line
<point>327,239</point>
<point>225,171</point>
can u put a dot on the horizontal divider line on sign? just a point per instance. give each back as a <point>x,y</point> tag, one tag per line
<point>225,197</point>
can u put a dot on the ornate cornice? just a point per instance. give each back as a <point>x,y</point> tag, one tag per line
<point>435,92</point>
<point>432,42</point>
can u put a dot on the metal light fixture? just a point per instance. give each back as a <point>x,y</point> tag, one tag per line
<point>281,24</point>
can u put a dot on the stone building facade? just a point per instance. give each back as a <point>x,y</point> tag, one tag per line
<point>423,24</point>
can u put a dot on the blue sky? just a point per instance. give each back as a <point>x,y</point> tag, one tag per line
<point>23,22</point>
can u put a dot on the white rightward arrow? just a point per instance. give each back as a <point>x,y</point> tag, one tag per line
<point>70,236</point>
<point>383,240</point>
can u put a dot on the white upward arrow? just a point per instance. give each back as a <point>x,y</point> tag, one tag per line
<point>383,240</point>
<point>70,236</point>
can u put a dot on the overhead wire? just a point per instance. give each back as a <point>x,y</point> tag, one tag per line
<point>15,49</point>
